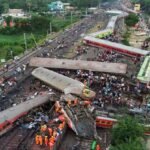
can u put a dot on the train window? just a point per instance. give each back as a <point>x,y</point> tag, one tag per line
<point>103,122</point>
<point>109,123</point>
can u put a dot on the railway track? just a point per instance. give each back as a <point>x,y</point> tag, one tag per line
<point>18,139</point>
<point>87,23</point>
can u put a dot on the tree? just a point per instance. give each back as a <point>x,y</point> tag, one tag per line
<point>8,19</point>
<point>127,134</point>
<point>85,3</point>
<point>131,145</point>
<point>40,23</point>
<point>131,20</point>
<point>1,9</point>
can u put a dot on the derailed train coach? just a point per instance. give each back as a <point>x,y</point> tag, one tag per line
<point>123,49</point>
<point>10,115</point>
<point>92,40</point>
<point>63,83</point>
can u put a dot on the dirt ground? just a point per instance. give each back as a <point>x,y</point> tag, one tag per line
<point>136,40</point>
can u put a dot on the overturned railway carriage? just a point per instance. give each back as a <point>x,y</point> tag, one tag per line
<point>117,68</point>
<point>63,83</point>
<point>10,115</point>
<point>92,39</point>
<point>78,119</point>
<point>126,50</point>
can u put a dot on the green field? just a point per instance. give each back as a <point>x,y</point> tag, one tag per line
<point>15,43</point>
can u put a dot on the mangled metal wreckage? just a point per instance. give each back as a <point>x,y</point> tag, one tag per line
<point>78,117</point>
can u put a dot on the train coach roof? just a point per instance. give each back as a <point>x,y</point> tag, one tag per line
<point>112,22</point>
<point>11,114</point>
<point>117,45</point>
<point>100,32</point>
<point>79,64</point>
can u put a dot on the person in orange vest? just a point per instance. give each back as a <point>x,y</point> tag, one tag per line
<point>40,140</point>
<point>98,147</point>
<point>61,118</point>
<point>37,139</point>
<point>50,131</point>
<point>63,123</point>
<point>75,102</point>
<point>46,140</point>
<point>51,142</point>
<point>54,133</point>
<point>86,103</point>
<point>58,109</point>
<point>44,127</point>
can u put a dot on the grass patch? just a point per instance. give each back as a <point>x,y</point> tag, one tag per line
<point>13,45</point>
<point>126,37</point>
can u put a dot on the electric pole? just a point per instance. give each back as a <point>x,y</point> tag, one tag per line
<point>25,42</point>
<point>71,17</point>
<point>34,40</point>
<point>86,12</point>
<point>50,27</point>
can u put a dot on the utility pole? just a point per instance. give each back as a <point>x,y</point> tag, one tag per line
<point>25,42</point>
<point>86,12</point>
<point>71,17</point>
<point>34,40</point>
<point>50,27</point>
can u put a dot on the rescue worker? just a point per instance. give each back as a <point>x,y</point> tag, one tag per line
<point>40,140</point>
<point>75,102</point>
<point>37,139</point>
<point>98,147</point>
<point>85,103</point>
<point>50,131</point>
<point>54,133</point>
<point>43,128</point>
<point>51,142</point>
<point>57,109</point>
<point>61,118</point>
<point>46,140</point>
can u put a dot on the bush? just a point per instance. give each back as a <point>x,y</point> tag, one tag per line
<point>131,20</point>
<point>17,50</point>
<point>125,42</point>
<point>127,135</point>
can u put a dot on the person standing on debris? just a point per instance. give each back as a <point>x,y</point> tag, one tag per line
<point>98,147</point>
<point>37,139</point>
<point>40,140</point>
<point>51,142</point>
<point>50,131</point>
<point>46,140</point>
